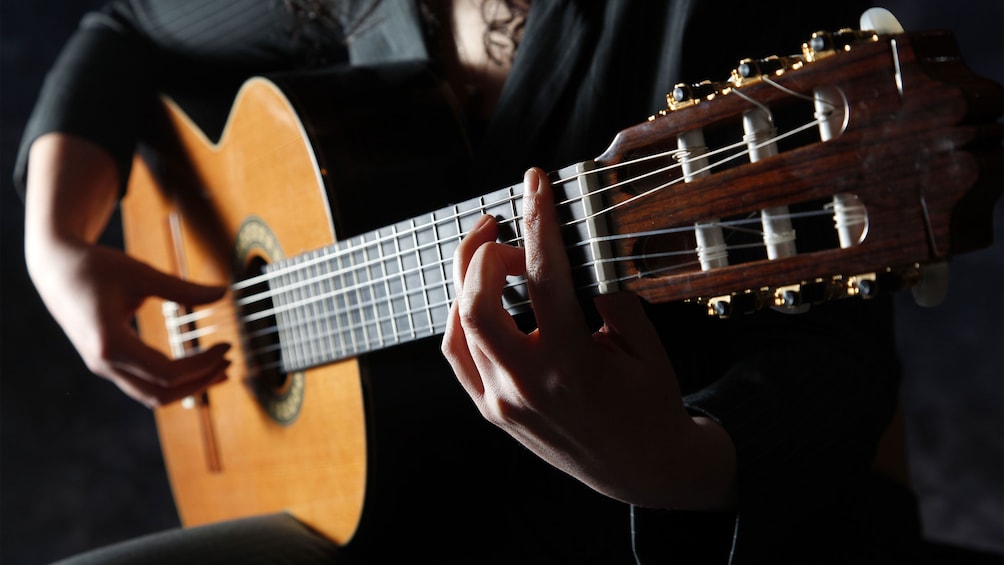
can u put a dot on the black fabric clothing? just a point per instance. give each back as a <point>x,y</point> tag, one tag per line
<point>274,539</point>
<point>804,398</point>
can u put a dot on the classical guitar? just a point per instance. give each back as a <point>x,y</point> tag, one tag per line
<point>885,147</point>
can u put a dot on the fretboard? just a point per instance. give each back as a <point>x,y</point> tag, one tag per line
<point>395,284</point>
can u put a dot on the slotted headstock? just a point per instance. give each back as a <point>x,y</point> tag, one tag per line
<point>846,167</point>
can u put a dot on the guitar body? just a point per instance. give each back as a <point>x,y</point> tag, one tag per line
<point>212,213</point>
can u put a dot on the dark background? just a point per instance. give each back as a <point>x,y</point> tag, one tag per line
<point>80,466</point>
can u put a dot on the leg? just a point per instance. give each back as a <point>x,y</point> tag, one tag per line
<point>276,538</point>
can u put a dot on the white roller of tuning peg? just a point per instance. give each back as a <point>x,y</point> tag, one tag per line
<point>880,20</point>
<point>933,285</point>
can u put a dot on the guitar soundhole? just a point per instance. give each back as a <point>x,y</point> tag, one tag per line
<point>259,335</point>
<point>279,393</point>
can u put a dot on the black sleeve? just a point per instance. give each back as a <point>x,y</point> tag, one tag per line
<point>805,399</point>
<point>121,57</point>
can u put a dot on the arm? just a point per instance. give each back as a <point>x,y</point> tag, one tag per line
<point>92,291</point>
<point>604,407</point>
<point>77,151</point>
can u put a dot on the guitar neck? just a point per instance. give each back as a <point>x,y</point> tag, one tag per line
<point>395,284</point>
<point>689,214</point>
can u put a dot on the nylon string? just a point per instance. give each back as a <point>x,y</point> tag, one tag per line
<point>358,309</point>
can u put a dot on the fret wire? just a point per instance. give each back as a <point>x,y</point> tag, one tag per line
<point>303,333</point>
<point>309,327</point>
<point>361,281</point>
<point>354,312</point>
<point>385,275</point>
<point>421,275</point>
<point>373,302</point>
<point>516,227</point>
<point>330,307</point>
<point>352,297</point>
<point>450,296</point>
<point>404,281</point>
<point>293,324</point>
<point>341,303</point>
<point>442,263</point>
<point>322,343</point>
<point>290,315</point>
<point>278,301</point>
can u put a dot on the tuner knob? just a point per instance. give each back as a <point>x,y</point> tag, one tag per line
<point>821,41</point>
<point>791,298</point>
<point>704,89</point>
<point>748,68</point>
<point>682,93</point>
<point>824,43</point>
<point>867,288</point>
<point>722,309</point>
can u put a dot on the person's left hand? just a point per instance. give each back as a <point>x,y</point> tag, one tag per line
<point>603,406</point>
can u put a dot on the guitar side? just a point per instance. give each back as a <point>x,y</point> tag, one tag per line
<point>206,212</point>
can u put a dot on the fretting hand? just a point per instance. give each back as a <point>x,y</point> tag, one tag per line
<point>602,406</point>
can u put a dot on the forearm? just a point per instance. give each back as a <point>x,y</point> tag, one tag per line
<point>72,190</point>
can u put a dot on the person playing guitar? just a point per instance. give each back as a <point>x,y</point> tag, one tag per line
<point>645,429</point>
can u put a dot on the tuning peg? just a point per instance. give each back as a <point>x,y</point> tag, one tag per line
<point>751,69</point>
<point>687,94</point>
<point>824,43</point>
<point>880,20</point>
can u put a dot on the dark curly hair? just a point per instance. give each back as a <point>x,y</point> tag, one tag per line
<point>504,21</point>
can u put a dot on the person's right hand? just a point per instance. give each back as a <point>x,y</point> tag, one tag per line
<point>93,291</point>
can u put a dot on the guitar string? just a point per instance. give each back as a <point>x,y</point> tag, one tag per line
<point>481,210</point>
<point>414,251</point>
<point>734,225</point>
<point>379,300</point>
<point>679,154</point>
<point>202,313</point>
<point>409,313</point>
<point>361,307</point>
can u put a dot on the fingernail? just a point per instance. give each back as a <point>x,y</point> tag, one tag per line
<point>482,222</point>
<point>531,181</point>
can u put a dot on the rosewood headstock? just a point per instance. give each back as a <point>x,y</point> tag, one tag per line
<point>847,167</point>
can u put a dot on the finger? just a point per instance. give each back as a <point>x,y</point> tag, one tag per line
<point>140,360</point>
<point>458,355</point>
<point>153,395</point>
<point>486,230</point>
<point>179,290</point>
<point>548,274</point>
<point>491,333</point>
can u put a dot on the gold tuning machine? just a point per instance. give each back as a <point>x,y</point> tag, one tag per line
<point>825,43</point>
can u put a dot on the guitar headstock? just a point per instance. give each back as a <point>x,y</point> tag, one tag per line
<point>842,169</point>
